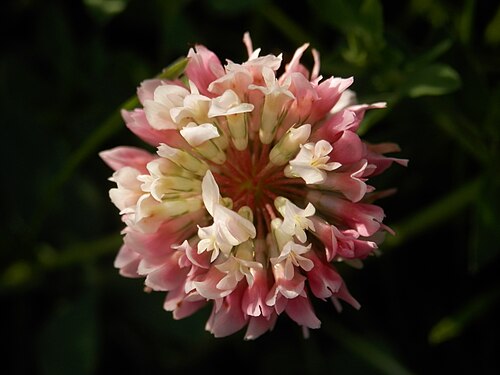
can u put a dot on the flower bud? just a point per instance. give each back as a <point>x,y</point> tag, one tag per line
<point>289,145</point>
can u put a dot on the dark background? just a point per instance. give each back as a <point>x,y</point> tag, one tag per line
<point>430,302</point>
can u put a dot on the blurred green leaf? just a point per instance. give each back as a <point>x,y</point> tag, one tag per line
<point>434,79</point>
<point>103,10</point>
<point>233,7</point>
<point>18,273</point>
<point>431,54</point>
<point>485,239</point>
<point>69,342</point>
<point>362,18</point>
<point>372,19</point>
<point>435,11</point>
<point>492,32</point>
<point>285,24</point>
<point>466,21</point>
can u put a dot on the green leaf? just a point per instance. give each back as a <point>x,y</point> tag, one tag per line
<point>434,79</point>
<point>68,342</point>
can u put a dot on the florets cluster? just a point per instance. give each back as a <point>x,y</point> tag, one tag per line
<point>257,187</point>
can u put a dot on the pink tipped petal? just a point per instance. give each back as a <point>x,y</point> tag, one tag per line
<point>169,276</point>
<point>294,64</point>
<point>138,124</point>
<point>381,162</point>
<point>364,218</point>
<point>324,280</point>
<point>177,303</point>
<point>229,318</point>
<point>329,92</point>
<point>128,262</point>
<point>301,311</point>
<point>123,156</point>
<point>203,68</point>
<point>147,88</point>
<point>317,64</point>
<point>206,285</point>
<point>161,241</point>
<point>254,298</point>
<point>345,295</point>
<point>259,325</point>
<point>347,149</point>
<point>349,181</point>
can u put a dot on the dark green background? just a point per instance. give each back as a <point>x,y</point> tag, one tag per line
<point>430,302</point>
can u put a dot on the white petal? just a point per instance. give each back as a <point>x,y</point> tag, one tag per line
<point>195,135</point>
<point>322,148</point>
<point>210,192</point>
<point>170,95</point>
<point>309,174</point>
<point>158,115</point>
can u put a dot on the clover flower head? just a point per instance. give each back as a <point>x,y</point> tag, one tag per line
<point>257,185</point>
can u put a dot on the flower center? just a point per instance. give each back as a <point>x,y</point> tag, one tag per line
<point>250,179</point>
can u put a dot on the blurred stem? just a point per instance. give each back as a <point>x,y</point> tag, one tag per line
<point>287,26</point>
<point>452,326</point>
<point>434,214</point>
<point>89,147</point>
<point>466,22</point>
<point>368,350</point>
<point>22,273</point>
<point>463,133</point>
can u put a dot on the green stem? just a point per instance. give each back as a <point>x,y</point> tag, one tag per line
<point>464,135</point>
<point>434,214</point>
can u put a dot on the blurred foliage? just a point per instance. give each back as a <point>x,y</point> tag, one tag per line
<point>430,302</point>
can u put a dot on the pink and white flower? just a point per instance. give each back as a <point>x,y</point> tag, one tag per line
<point>256,186</point>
